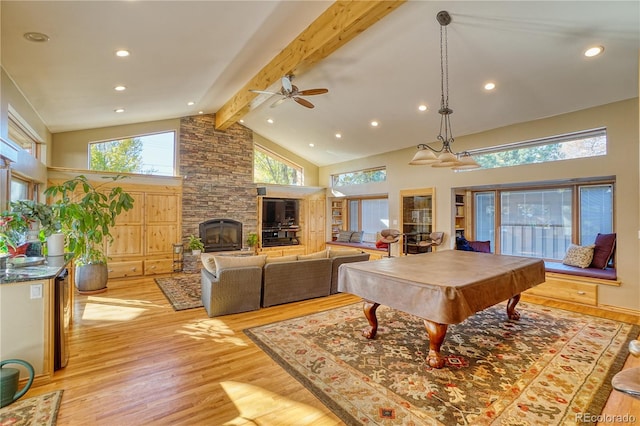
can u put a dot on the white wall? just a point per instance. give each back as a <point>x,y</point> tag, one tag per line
<point>622,161</point>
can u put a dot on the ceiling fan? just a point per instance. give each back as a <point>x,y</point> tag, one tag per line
<point>291,91</point>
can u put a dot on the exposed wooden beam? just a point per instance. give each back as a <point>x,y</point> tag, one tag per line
<point>341,22</point>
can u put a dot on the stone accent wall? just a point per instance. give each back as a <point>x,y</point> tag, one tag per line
<point>217,167</point>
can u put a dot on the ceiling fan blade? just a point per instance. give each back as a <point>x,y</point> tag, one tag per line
<point>303,102</point>
<point>286,84</point>
<point>278,102</point>
<point>310,92</point>
<point>264,92</point>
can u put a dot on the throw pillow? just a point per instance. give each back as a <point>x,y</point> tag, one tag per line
<point>282,259</point>
<point>356,237</point>
<point>317,255</point>
<point>605,244</point>
<point>344,236</point>
<point>228,262</point>
<point>580,256</point>
<point>208,262</point>
<point>463,244</point>
<point>381,244</point>
<point>345,252</point>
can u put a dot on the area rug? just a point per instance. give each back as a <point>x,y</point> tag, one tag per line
<point>39,410</point>
<point>183,291</point>
<point>552,367</point>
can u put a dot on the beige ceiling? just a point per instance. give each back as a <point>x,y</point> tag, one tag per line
<point>207,51</point>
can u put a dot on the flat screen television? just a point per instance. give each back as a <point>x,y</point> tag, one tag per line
<point>279,212</point>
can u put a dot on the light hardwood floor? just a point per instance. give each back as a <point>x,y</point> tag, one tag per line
<point>135,361</point>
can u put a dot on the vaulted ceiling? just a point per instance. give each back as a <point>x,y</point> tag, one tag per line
<point>379,60</point>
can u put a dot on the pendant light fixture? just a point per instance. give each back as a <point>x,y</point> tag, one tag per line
<point>444,156</point>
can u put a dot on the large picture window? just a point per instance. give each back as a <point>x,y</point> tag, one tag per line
<point>152,154</point>
<point>370,215</point>
<point>543,222</point>
<point>269,167</point>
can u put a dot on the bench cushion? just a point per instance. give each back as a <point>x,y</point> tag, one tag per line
<point>605,274</point>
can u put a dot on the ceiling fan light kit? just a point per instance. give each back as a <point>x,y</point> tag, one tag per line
<point>291,91</point>
<point>446,157</point>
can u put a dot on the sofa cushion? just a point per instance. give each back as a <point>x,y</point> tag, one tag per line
<point>356,237</point>
<point>317,255</point>
<point>343,252</point>
<point>580,256</point>
<point>344,236</point>
<point>282,259</point>
<point>227,262</point>
<point>605,244</point>
<point>208,262</point>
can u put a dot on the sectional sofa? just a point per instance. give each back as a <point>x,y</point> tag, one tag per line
<point>233,284</point>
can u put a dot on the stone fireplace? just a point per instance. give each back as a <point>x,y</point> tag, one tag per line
<point>221,235</point>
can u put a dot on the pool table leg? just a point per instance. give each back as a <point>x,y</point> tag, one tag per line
<point>436,337</point>
<point>369,309</point>
<point>511,308</point>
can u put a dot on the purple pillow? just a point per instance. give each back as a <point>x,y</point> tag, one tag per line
<point>603,250</point>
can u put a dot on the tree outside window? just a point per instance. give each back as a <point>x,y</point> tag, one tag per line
<point>269,167</point>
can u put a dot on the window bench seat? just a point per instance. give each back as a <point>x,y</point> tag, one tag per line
<point>573,284</point>
<point>561,268</point>
<point>374,252</point>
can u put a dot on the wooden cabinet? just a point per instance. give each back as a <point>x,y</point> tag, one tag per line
<point>143,237</point>
<point>417,207</point>
<point>316,225</point>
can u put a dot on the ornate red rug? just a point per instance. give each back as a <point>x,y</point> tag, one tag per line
<point>552,367</point>
<point>182,290</point>
<point>41,410</point>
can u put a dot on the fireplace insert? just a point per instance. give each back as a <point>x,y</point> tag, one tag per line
<point>221,235</point>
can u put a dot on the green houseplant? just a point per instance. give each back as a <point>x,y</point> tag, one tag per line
<point>253,241</point>
<point>195,244</point>
<point>87,212</point>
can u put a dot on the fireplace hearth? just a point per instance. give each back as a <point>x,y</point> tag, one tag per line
<point>221,235</point>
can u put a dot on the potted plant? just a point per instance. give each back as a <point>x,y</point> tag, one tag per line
<point>253,241</point>
<point>195,244</point>
<point>86,213</point>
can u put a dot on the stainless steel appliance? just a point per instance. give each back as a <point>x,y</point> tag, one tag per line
<point>62,320</point>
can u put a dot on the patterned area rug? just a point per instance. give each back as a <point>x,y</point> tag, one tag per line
<point>545,369</point>
<point>182,291</point>
<point>39,410</point>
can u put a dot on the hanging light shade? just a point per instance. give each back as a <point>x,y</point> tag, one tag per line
<point>423,156</point>
<point>446,156</point>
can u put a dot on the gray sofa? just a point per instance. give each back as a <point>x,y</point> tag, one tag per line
<point>285,282</point>
<point>234,284</point>
<point>234,290</point>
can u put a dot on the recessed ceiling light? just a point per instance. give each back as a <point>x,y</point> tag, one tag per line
<point>489,86</point>
<point>120,88</point>
<point>338,135</point>
<point>119,110</point>
<point>191,103</point>
<point>270,120</point>
<point>241,121</point>
<point>422,107</point>
<point>374,123</point>
<point>593,51</point>
<point>200,112</point>
<point>122,53</point>
<point>36,37</point>
<point>311,145</point>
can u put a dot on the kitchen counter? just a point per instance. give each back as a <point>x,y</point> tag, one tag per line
<point>51,267</point>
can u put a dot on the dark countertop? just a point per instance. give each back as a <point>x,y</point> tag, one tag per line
<point>51,268</point>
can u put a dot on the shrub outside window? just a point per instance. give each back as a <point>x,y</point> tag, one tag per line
<point>378,174</point>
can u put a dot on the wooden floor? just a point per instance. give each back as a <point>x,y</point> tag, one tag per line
<point>136,361</point>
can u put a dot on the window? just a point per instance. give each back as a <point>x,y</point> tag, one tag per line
<point>543,222</point>
<point>23,135</point>
<point>370,215</point>
<point>590,143</point>
<point>152,154</point>
<point>361,176</point>
<point>269,167</point>
<point>20,189</point>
